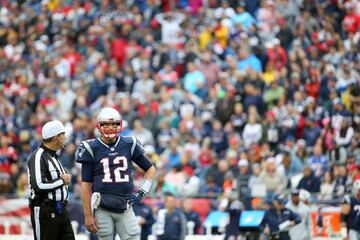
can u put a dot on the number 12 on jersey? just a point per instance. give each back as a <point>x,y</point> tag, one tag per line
<point>119,172</point>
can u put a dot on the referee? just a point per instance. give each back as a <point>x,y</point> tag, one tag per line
<point>49,193</point>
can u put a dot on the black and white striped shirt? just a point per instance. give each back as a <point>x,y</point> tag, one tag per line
<point>44,171</point>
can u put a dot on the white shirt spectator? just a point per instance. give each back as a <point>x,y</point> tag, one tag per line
<point>65,98</point>
<point>344,140</point>
<point>301,231</point>
<point>144,86</point>
<point>62,68</point>
<point>170,28</point>
<point>252,134</point>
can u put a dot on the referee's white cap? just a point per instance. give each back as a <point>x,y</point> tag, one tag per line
<point>51,129</point>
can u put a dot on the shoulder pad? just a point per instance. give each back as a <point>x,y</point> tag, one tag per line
<point>127,139</point>
<point>346,199</point>
<point>89,144</point>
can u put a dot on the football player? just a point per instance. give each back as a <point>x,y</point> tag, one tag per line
<point>350,214</point>
<point>107,184</point>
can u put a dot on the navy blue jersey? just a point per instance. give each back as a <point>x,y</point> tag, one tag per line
<point>109,167</point>
<point>274,218</point>
<point>144,211</point>
<point>354,214</point>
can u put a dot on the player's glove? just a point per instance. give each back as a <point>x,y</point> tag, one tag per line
<point>135,198</point>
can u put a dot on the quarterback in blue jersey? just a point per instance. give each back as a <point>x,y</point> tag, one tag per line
<point>107,184</point>
<point>350,214</point>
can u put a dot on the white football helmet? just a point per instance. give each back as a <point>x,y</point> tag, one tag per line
<point>356,189</point>
<point>109,115</point>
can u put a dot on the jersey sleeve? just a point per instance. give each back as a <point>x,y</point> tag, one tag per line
<point>136,148</point>
<point>84,153</point>
<point>295,217</point>
<point>138,157</point>
<point>86,172</point>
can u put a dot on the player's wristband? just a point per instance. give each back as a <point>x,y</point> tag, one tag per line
<point>146,185</point>
<point>343,232</point>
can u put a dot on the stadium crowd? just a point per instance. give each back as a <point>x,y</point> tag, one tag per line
<point>223,95</point>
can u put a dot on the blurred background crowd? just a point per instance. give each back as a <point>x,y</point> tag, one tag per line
<point>224,95</point>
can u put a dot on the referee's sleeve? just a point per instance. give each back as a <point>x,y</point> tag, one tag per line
<point>38,175</point>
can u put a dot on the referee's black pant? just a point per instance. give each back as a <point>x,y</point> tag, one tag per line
<point>48,224</point>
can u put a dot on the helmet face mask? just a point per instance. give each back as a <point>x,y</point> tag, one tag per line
<point>109,122</point>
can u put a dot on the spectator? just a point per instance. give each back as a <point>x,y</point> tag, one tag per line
<point>145,219</point>
<point>209,68</point>
<point>309,181</point>
<point>271,130</point>
<point>303,229</point>
<point>144,85</point>
<point>144,135</point>
<point>299,152</point>
<point>210,188</point>
<point>175,177</point>
<point>238,118</point>
<point>191,215</point>
<point>219,138</point>
<point>318,162</point>
<point>170,27</point>
<point>341,180</point>
<point>344,135</point>
<point>242,181</point>
<point>161,187</point>
<point>171,221</point>
<point>191,185</point>
<point>248,60</point>
<point>293,166</point>
<point>255,176</point>
<point>327,187</point>
<point>252,132</point>
<point>276,215</point>
<point>172,155</point>
<point>232,229</point>
<point>273,94</point>
<point>274,180</point>
<point>168,76</point>
<point>242,16</point>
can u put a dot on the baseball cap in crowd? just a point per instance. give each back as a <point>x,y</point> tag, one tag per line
<point>295,192</point>
<point>280,199</point>
<point>188,170</point>
<point>243,163</point>
<point>51,129</point>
